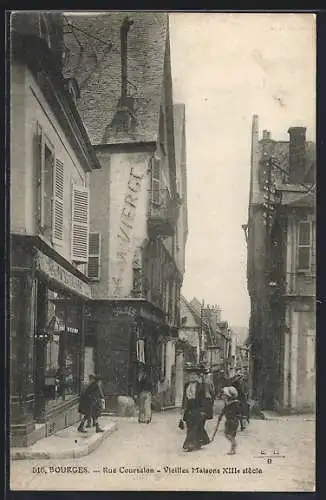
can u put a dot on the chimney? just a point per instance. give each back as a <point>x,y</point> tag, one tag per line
<point>297,154</point>
<point>124,120</point>
<point>124,58</point>
<point>266,135</point>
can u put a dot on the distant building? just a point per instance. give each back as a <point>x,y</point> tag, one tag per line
<point>138,213</point>
<point>281,269</point>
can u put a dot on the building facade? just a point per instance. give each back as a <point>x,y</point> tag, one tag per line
<point>138,203</point>
<point>281,270</point>
<point>51,161</point>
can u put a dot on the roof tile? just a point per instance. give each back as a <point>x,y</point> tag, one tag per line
<point>97,68</point>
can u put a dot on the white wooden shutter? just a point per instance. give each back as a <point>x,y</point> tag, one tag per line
<point>58,200</point>
<point>94,256</point>
<point>80,224</point>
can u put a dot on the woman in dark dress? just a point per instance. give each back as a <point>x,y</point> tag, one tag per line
<point>194,411</point>
<point>209,399</point>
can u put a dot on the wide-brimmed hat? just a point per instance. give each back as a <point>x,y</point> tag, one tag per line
<point>204,369</point>
<point>230,392</point>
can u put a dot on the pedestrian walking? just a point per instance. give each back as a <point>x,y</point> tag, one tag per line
<point>193,410</point>
<point>209,396</point>
<point>91,403</point>
<point>238,382</point>
<point>232,414</point>
<point>144,390</point>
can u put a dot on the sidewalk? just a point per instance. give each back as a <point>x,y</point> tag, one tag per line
<point>67,443</point>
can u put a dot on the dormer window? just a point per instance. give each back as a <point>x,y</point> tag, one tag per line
<point>44,30</point>
<point>123,124</point>
<point>73,89</point>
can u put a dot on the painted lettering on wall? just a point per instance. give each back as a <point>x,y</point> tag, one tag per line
<point>124,310</point>
<point>55,271</point>
<point>126,226</point>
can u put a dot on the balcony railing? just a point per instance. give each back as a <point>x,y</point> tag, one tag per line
<point>162,214</point>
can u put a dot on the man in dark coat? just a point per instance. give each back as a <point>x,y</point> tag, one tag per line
<point>90,404</point>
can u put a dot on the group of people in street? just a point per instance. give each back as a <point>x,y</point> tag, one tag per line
<point>92,402</point>
<point>197,407</point>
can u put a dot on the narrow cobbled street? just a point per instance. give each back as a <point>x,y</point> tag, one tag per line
<point>157,450</point>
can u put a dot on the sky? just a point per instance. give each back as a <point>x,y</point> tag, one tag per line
<point>226,68</point>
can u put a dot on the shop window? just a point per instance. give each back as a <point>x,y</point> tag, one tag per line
<point>62,349</point>
<point>15,315</point>
<point>94,256</point>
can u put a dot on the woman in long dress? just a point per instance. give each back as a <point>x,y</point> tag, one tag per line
<point>144,396</point>
<point>193,411</point>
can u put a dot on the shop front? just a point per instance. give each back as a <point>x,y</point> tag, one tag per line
<point>47,303</point>
<point>128,333</point>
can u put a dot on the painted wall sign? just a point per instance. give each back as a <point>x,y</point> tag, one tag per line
<point>55,271</point>
<point>124,310</point>
<point>126,226</point>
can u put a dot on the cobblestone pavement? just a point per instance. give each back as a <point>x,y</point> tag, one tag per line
<point>157,449</point>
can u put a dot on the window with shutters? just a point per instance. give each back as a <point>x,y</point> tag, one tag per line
<point>156,181</point>
<point>306,258</point>
<point>80,224</point>
<point>58,200</point>
<point>94,256</point>
<point>46,186</point>
<point>47,198</point>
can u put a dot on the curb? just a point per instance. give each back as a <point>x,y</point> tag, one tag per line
<point>74,452</point>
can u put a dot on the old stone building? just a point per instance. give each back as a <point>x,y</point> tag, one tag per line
<point>121,62</point>
<point>51,161</point>
<point>281,269</point>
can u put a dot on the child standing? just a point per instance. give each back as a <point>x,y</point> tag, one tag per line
<point>232,413</point>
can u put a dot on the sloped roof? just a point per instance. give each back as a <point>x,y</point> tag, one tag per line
<point>191,309</point>
<point>96,65</point>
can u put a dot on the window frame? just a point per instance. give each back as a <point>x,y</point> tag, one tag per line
<point>77,224</point>
<point>308,220</point>
<point>92,254</point>
<point>44,142</point>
